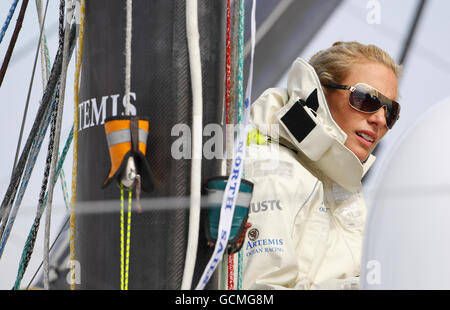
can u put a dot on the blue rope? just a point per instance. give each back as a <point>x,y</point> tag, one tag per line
<point>8,19</point>
<point>37,143</point>
<point>29,244</point>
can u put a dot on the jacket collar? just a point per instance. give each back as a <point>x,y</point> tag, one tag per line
<point>306,123</point>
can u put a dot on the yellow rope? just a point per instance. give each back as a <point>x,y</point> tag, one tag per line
<point>75,140</point>
<point>124,255</point>
<point>127,257</point>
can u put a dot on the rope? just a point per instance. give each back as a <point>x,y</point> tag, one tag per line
<point>45,55</point>
<point>29,244</point>
<point>29,89</point>
<point>240,57</point>
<point>31,238</point>
<point>37,143</point>
<point>45,103</point>
<point>233,84</point>
<point>22,267</point>
<point>240,73</point>
<point>229,135</point>
<point>5,216</point>
<point>12,43</point>
<point>8,19</point>
<point>197,112</point>
<point>228,66</point>
<point>75,142</point>
<point>128,56</point>
<point>26,177</point>
<point>127,255</point>
<point>51,247</point>
<point>59,108</point>
<point>230,196</point>
<point>238,69</point>
<point>124,252</point>
<point>122,237</point>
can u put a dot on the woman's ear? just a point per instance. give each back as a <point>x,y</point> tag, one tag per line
<point>325,91</point>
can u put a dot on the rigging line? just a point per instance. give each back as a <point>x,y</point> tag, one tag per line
<point>412,32</point>
<point>12,43</point>
<point>239,30</point>
<point>229,87</point>
<point>193,38</point>
<point>26,177</point>
<point>228,65</point>
<point>45,71</point>
<point>228,135</point>
<point>240,73</point>
<point>27,103</point>
<point>232,112</point>
<point>124,255</point>
<point>51,248</point>
<point>31,238</point>
<point>60,108</point>
<point>129,9</point>
<point>11,191</point>
<point>29,245</point>
<point>75,141</point>
<point>234,57</point>
<point>230,196</point>
<point>240,78</point>
<point>122,238</point>
<point>127,251</point>
<point>45,55</point>
<point>8,19</point>
<point>26,255</point>
<point>54,78</point>
<point>268,23</point>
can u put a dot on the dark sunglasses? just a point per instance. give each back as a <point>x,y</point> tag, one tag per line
<point>366,99</point>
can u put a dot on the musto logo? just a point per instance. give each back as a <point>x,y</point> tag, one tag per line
<point>266,205</point>
<point>258,246</point>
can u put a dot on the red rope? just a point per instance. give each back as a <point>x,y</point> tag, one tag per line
<point>230,281</point>
<point>228,66</point>
<point>12,43</point>
<point>231,272</point>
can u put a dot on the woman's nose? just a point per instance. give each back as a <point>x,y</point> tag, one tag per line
<point>378,117</point>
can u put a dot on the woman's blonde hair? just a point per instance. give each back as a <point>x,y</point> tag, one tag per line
<point>333,64</point>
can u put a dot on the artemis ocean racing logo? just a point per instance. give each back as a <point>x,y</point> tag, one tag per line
<point>258,246</point>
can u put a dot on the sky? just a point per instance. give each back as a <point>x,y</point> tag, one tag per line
<point>424,84</point>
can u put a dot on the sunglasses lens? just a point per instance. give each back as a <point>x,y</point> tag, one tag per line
<point>362,100</point>
<point>392,114</point>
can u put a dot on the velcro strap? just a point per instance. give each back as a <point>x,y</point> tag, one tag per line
<point>297,120</point>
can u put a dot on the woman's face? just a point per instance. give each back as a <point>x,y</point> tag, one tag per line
<point>357,124</point>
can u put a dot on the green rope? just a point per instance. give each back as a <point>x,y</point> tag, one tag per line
<point>29,244</point>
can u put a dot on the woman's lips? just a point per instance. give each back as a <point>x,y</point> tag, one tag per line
<point>367,138</point>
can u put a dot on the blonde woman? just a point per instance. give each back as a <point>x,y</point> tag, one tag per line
<point>308,213</point>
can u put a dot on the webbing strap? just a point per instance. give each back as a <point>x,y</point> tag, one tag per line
<point>124,135</point>
<point>134,131</point>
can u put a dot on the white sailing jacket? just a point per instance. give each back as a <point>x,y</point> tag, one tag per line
<point>307,212</point>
